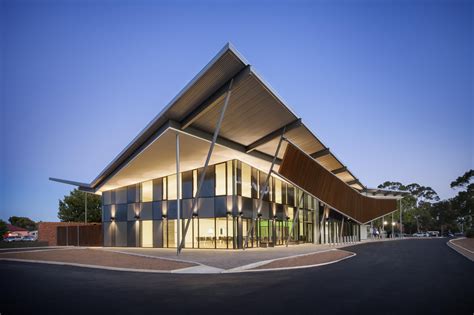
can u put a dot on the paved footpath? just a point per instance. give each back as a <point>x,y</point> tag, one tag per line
<point>398,277</point>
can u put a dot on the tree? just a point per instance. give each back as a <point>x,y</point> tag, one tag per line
<point>3,228</point>
<point>71,208</point>
<point>463,202</point>
<point>463,180</point>
<point>23,222</point>
<point>416,206</point>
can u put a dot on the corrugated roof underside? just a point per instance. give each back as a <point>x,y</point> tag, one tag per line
<point>220,72</point>
<point>252,113</point>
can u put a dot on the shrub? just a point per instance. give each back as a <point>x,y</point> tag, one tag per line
<point>470,233</point>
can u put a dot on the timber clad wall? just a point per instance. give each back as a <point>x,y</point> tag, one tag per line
<point>311,176</point>
<point>52,232</point>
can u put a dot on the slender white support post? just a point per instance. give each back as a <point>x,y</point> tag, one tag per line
<point>178,196</point>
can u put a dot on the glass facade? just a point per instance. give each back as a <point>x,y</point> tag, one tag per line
<point>226,212</point>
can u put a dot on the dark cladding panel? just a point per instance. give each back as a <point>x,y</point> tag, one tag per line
<point>132,232</point>
<point>220,204</point>
<point>157,210</point>
<point>206,207</point>
<point>120,233</point>
<point>132,211</point>
<point>157,233</point>
<point>247,207</point>
<point>133,193</point>
<point>146,211</point>
<point>107,212</point>
<point>172,209</point>
<point>186,208</point>
<point>158,189</point>
<point>187,183</point>
<point>121,212</point>
<point>121,195</point>
<point>107,197</point>
<point>208,186</point>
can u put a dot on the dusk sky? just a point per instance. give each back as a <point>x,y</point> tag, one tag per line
<point>387,85</point>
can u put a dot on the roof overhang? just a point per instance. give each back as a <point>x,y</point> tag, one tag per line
<point>248,131</point>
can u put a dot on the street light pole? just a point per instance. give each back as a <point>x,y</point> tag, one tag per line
<point>393,225</point>
<point>85,207</point>
<point>401,224</point>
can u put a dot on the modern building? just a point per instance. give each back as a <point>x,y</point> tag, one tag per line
<point>227,164</point>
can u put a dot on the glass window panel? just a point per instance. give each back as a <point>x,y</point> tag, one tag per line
<point>172,233</point>
<point>147,191</point>
<point>165,233</point>
<point>291,195</point>
<point>188,242</point>
<point>195,181</point>
<point>230,178</point>
<point>172,192</point>
<point>147,233</point>
<point>207,235</point>
<point>165,188</point>
<point>220,170</point>
<point>246,181</point>
<point>222,233</point>
<point>277,190</point>
<point>263,225</point>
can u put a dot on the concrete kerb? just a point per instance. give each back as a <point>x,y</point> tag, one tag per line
<point>461,250</point>
<point>250,267</point>
<point>87,265</point>
<point>40,249</point>
<point>32,247</point>
<point>148,256</point>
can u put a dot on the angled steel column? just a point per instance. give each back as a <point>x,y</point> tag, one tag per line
<point>264,189</point>
<point>296,218</point>
<point>206,164</point>
<point>178,195</point>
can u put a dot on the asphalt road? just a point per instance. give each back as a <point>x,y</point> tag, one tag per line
<point>400,277</point>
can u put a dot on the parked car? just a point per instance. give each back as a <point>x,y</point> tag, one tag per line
<point>28,238</point>
<point>10,239</point>
<point>433,233</point>
<point>420,234</point>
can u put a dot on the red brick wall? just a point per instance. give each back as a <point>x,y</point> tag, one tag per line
<point>47,231</point>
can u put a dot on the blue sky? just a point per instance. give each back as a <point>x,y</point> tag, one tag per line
<point>386,85</point>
